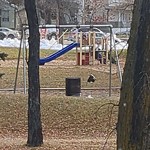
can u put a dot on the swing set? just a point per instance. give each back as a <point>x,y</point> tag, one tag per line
<point>87,50</point>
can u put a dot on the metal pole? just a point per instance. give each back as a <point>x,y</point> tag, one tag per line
<point>81,43</point>
<point>18,62</point>
<point>24,62</point>
<point>118,64</point>
<point>83,12</point>
<point>101,88</point>
<point>70,26</point>
<point>110,72</point>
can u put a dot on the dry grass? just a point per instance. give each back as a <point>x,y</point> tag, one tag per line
<point>13,53</point>
<point>69,123</point>
<point>54,74</point>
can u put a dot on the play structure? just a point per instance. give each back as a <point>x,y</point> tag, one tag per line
<point>64,50</point>
<point>89,50</point>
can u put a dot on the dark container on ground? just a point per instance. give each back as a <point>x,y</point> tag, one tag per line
<point>73,86</point>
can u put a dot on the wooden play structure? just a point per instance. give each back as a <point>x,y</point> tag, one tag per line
<point>91,50</point>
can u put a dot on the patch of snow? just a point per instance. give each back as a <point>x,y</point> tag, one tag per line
<point>54,44</point>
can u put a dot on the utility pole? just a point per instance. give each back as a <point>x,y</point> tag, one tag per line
<point>83,11</point>
<point>119,15</point>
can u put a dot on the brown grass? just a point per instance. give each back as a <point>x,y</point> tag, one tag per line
<point>69,123</point>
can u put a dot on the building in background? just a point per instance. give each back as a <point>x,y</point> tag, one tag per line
<point>119,13</point>
<point>7,15</point>
<point>116,12</point>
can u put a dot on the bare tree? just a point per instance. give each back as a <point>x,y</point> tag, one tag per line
<point>58,9</point>
<point>133,129</point>
<point>102,10</point>
<point>35,137</point>
<point>94,8</point>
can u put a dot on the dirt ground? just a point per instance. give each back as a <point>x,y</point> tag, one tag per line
<point>9,143</point>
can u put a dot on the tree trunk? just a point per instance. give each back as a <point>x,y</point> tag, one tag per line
<point>61,18</point>
<point>35,137</point>
<point>133,128</point>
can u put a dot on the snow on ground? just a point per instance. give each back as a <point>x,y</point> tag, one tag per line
<point>53,44</point>
<point>9,42</point>
<point>44,43</point>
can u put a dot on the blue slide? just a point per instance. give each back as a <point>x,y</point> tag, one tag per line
<point>42,61</point>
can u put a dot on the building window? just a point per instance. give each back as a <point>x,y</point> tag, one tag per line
<point>130,17</point>
<point>123,17</point>
<point>5,16</point>
<point>5,19</point>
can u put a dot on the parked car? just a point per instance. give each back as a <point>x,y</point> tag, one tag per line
<point>98,33</point>
<point>45,32</point>
<point>123,33</point>
<point>52,33</point>
<point>49,33</point>
<point>2,35</point>
<point>10,33</point>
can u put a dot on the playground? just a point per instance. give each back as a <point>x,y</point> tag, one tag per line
<point>53,75</point>
<point>85,121</point>
<point>88,52</point>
